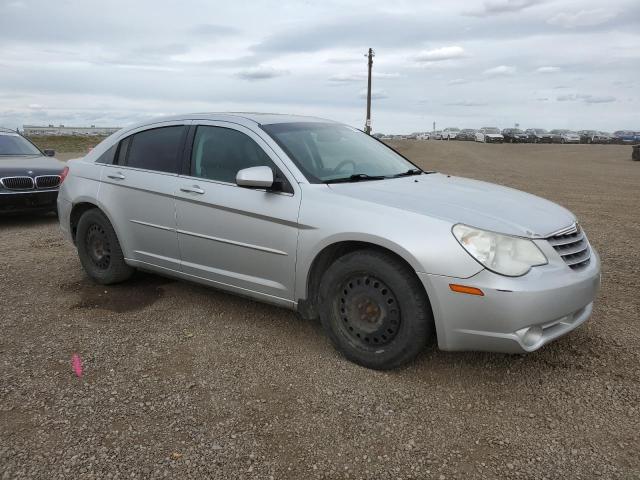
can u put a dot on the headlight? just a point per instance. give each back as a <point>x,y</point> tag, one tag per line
<point>503,254</point>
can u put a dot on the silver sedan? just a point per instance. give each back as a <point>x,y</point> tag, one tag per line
<point>321,218</point>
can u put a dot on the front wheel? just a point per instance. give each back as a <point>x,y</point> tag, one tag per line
<point>374,309</point>
<point>99,250</point>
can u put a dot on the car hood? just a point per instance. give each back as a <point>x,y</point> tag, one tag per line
<point>492,135</point>
<point>461,200</point>
<point>21,165</point>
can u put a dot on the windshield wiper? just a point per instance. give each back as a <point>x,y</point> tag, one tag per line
<point>408,173</point>
<point>357,177</point>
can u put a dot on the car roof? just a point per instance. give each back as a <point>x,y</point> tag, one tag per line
<point>243,118</point>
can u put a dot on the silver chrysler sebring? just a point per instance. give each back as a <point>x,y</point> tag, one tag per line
<point>319,217</point>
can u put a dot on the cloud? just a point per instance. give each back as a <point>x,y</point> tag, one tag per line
<point>572,97</point>
<point>440,54</point>
<point>548,69</point>
<point>498,7</point>
<point>500,71</point>
<point>261,72</point>
<point>214,30</point>
<point>375,94</point>
<point>467,103</point>
<point>340,78</point>
<point>582,18</point>
<point>35,106</point>
<point>543,99</point>
<point>457,81</point>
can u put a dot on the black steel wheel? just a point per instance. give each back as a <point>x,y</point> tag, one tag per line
<point>369,311</point>
<point>99,249</point>
<point>374,309</point>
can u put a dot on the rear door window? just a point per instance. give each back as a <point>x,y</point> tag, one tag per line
<point>158,149</point>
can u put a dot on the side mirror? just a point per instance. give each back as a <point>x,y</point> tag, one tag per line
<point>49,153</point>
<point>255,177</point>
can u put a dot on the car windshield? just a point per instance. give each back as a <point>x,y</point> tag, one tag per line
<point>491,130</point>
<point>540,130</point>
<point>326,152</point>
<point>14,144</point>
<point>453,129</point>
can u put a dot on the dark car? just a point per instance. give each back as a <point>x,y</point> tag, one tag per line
<point>593,136</point>
<point>29,177</point>
<point>467,134</point>
<point>514,135</point>
<point>538,135</point>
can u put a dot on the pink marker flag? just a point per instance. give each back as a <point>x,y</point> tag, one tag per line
<point>76,364</point>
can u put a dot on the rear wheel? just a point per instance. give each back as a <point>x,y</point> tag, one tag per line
<point>374,309</point>
<point>99,249</point>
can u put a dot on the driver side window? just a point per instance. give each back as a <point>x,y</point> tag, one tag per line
<point>219,153</point>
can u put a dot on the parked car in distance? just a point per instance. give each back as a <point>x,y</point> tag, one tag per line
<point>489,135</point>
<point>538,135</point>
<point>424,136</point>
<point>564,136</point>
<point>514,135</point>
<point>29,177</point>
<point>387,255</point>
<point>593,136</point>
<point>437,135</point>
<point>605,137</point>
<point>625,136</point>
<point>467,134</point>
<point>450,133</point>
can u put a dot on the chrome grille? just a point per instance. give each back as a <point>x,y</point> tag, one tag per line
<point>572,246</point>
<point>17,183</point>
<point>48,181</point>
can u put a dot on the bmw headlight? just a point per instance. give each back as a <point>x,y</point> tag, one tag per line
<point>503,254</point>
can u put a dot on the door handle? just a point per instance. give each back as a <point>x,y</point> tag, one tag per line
<point>116,176</point>
<point>192,189</point>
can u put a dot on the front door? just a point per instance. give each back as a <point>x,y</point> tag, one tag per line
<point>241,239</point>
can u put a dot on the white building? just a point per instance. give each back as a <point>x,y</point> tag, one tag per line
<point>61,130</point>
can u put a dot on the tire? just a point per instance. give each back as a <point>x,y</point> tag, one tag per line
<point>562,141</point>
<point>99,250</point>
<point>374,310</point>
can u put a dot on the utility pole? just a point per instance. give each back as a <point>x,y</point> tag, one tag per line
<point>367,126</point>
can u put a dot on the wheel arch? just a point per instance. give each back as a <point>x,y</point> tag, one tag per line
<point>81,207</point>
<point>307,305</point>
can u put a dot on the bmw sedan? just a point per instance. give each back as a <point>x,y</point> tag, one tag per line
<point>29,178</point>
<point>319,217</point>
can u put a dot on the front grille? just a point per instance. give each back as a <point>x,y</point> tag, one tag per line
<point>573,247</point>
<point>48,181</point>
<point>17,183</point>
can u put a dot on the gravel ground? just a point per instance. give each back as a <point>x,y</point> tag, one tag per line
<point>187,382</point>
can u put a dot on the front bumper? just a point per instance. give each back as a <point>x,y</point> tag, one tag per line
<point>515,315</point>
<point>28,201</point>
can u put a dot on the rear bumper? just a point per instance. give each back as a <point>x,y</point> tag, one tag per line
<point>31,201</point>
<point>515,315</point>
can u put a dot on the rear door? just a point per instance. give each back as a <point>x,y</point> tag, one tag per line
<point>238,238</point>
<point>137,192</point>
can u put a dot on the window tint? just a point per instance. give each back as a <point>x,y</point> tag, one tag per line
<point>218,153</point>
<point>156,149</point>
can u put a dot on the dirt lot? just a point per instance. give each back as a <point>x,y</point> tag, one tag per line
<point>187,382</point>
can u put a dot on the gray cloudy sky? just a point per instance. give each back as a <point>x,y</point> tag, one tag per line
<point>554,63</point>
